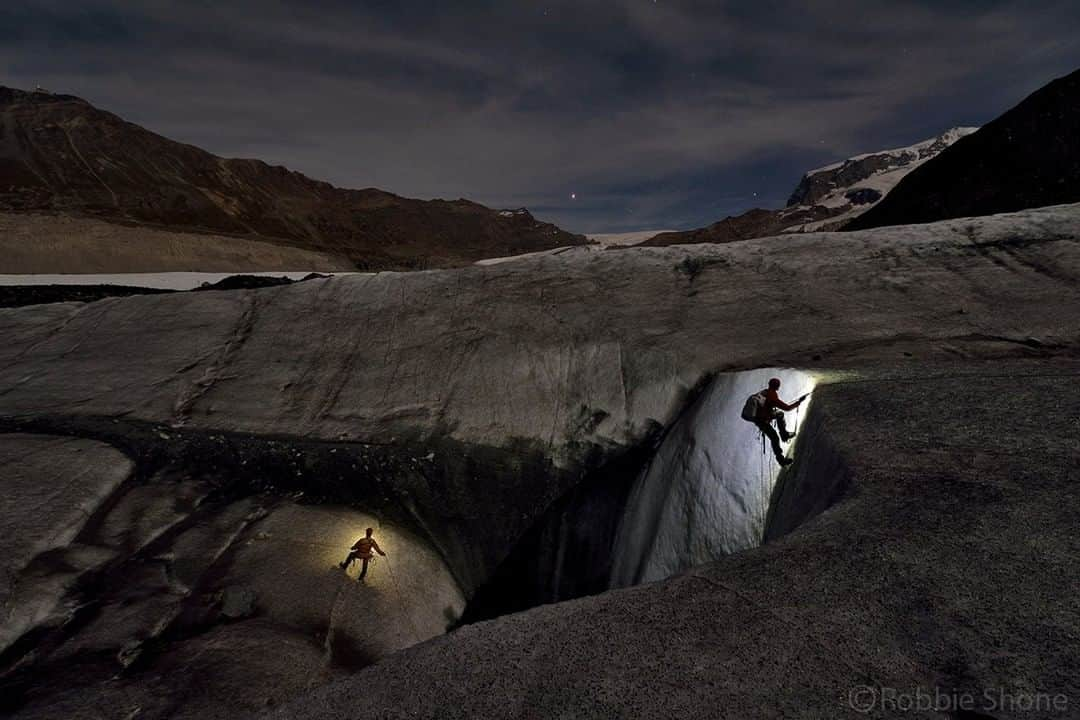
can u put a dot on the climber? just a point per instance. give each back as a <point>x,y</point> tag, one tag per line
<point>361,550</point>
<point>764,408</point>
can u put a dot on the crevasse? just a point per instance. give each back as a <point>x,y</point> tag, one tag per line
<point>705,493</point>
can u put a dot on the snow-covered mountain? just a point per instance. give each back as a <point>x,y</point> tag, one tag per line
<point>856,184</point>
<point>826,198</point>
<point>1028,157</point>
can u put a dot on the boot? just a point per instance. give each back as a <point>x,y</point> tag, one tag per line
<point>784,461</point>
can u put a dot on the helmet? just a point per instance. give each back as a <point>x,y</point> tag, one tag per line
<point>774,383</point>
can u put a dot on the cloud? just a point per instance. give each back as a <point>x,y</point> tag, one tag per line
<point>655,113</point>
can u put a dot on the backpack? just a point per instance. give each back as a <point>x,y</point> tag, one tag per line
<point>363,546</point>
<point>754,407</point>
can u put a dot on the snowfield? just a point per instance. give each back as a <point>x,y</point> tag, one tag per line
<point>949,136</point>
<point>162,280</point>
<point>625,238</point>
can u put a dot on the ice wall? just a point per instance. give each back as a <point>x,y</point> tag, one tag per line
<point>705,493</point>
<point>815,483</point>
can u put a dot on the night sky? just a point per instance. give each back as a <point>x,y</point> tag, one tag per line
<point>655,114</point>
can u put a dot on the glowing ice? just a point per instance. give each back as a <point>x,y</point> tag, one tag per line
<point>705,493</point>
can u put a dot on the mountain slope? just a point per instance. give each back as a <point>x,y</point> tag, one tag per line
<point>59,154</point>
<point>859,183</point>
<point>1028,157</point>
<point>825,198</point>
<point>36,244</point>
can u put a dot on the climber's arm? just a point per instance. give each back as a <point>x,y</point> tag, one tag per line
<point>775,402</point>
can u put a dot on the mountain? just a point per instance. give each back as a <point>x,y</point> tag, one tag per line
<point>857,184</point>
<point>60,154</point>
<point>825,198</point>
<point>624,239</point>
<point>1028,157</point>
<point>754,223</point>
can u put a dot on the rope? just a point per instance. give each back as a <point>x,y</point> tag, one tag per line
<point>401,605</point>
<point>371,564</point>
<point>764,478</point>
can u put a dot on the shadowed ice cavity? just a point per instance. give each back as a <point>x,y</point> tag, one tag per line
<point>705,493</point>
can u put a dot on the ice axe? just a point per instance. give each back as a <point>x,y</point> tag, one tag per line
<point>798,405</point>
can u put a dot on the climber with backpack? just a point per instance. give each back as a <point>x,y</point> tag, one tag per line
<point>763,409</point>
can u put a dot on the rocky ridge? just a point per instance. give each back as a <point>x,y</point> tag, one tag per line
<point>59,154</point>
<point>825,198</point>
<point>1028,157</point>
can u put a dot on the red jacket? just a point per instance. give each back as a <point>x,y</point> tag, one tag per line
<point>773,400</point>
<point>365,545</point>
<point>772,403</point>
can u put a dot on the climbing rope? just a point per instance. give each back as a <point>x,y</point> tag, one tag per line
<point>401,606</point>
<point>764,481</point>
<point>406,617</point>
